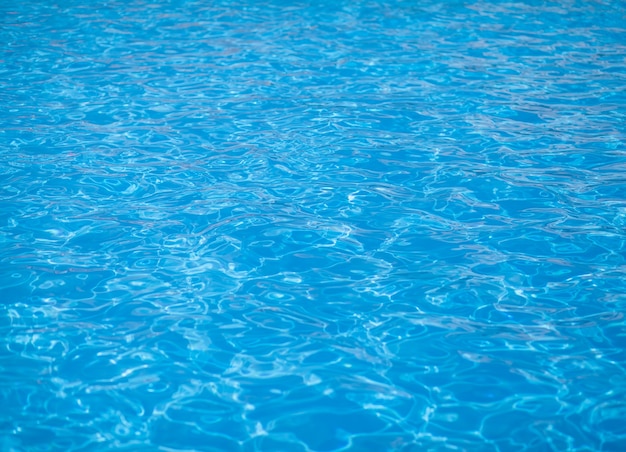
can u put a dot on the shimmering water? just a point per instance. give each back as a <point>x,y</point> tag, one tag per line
<point>312,226</point>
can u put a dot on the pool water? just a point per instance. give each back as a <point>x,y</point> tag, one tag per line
<point>369,225</point>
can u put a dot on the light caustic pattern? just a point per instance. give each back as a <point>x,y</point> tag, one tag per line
<point>312,226</point>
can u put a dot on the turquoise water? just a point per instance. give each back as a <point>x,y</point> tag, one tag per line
<point>312,226</point>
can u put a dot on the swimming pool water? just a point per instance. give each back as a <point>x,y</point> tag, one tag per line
<point>291,225</point>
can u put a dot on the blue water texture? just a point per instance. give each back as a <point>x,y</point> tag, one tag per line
<point>296,225</point>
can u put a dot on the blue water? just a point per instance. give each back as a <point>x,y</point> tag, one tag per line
<point>312,226</point>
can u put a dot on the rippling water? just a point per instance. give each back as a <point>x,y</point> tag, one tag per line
<point>295,225</point>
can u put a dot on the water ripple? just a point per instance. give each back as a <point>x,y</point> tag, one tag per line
<point>270,225</point>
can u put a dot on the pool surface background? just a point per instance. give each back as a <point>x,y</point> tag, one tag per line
<point>296,225</point>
